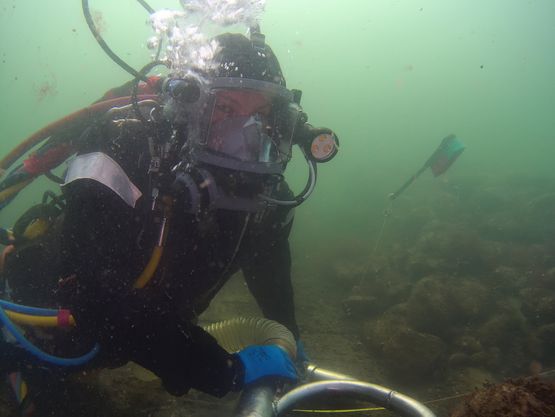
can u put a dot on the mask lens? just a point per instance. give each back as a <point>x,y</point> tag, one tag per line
<point>246,125</point>
<point>241,126</point>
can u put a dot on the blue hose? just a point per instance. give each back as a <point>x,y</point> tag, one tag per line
<point>34,311</point>
<point>29,347</point>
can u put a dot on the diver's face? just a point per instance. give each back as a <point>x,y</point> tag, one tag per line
<point>234,103</point>
<point>240,127</point>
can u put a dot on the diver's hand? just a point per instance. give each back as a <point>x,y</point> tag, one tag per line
<point>266,361</point>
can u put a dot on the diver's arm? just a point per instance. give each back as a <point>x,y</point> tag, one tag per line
<point>267,272</point>
<point>141,325</point>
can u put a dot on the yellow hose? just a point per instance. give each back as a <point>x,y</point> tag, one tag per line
<point>238,333</point>
<point>41,321</point>
<point>13,190</point>
<point>154,260</point>
<point>36,228</point>
<point>150,268</point>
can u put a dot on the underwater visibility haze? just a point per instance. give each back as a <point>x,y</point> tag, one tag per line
<point>433,293</point>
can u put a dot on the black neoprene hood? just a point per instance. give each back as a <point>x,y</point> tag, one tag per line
<point>239,57</point>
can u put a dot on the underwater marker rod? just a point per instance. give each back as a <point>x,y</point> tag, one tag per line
<point>104,45</point>
<point>386,214</point>
<point>146,6</point>
<point>443,157</point>
<point>413,178</point>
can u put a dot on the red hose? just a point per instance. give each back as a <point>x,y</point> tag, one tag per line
<point>54,127</point>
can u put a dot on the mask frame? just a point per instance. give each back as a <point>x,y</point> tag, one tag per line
<point>286,115</point>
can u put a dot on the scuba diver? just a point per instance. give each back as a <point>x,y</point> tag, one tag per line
<point>168,196</point>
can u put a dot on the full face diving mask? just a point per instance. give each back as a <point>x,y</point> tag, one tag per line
<point>246,125</point>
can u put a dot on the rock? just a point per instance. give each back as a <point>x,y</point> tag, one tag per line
<point>437,304</point>
<point>549,281</point>
<point>487,359</point>
<point>506,279</point>
<point>412,355</point>
<point>468,379</point>
<point>350,272</point>
<point>451,249</point>
<point>523,397</point>
<point>389,287</point>
<point>458,360</point>
<point>505,327</point>
<point>538,305</point>
<point>429,308</point>
<point>470,300</point>
<point>407,353</point>
<point>376,332</point>
<point>468,344</point>
<point>504,226</point>
<point>546,334</point>
<point>381,289</point>
<point>360,306</point>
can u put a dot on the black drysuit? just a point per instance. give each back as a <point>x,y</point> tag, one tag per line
<point>106,244</point>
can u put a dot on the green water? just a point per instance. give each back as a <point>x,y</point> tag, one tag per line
<point>391,77</point>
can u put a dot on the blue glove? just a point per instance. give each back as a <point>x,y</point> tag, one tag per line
<point>266,361</point>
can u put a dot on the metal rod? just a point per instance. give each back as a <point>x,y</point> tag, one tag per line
<point>314,373</point>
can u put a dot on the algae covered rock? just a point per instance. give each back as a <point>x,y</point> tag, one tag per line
<point>350,272</point>
<point>505,327</point>
<point>550,279</point>
<point>437,304</point>
<point>523,397</point>
<point>450,249</point>
<point>361,306</point>
<point>546,334</point>
<point>538,305</point>
<point>507,280</point>
<point>381,289</point>
<point>468,379</point>
<point>407,353</point>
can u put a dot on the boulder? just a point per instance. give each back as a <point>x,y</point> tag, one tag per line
<point>523,397</point>
<point>505,327</point>
<point>409,355</point>
<point>437,304</point>
<point>546,334</point>
<point>448,248</point>
<point>538,305</point>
